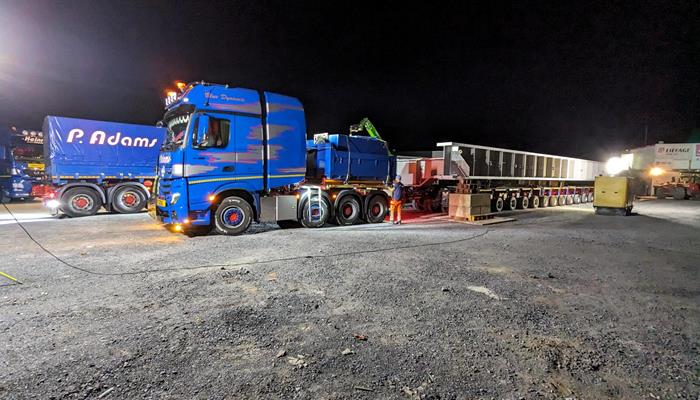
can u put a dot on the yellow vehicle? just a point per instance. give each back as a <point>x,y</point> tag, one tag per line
<point>613,195</point>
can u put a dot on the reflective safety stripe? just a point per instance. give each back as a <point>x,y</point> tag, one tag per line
<point>233,178</point>
<point>238,178</point>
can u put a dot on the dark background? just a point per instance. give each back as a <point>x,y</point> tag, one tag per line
<point>577,80</point>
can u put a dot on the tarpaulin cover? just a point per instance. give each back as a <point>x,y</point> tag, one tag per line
<point>80,148</point>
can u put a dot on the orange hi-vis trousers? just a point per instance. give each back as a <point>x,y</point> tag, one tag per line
<point>395,206</point>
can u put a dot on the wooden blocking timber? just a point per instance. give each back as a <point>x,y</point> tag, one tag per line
<point>464,205</point>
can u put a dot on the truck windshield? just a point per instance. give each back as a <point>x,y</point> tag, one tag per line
<point>176,121</point>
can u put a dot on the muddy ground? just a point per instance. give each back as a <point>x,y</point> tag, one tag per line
<point>559,304</point>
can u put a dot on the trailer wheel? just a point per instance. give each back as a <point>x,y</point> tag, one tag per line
<point>80,202</point>
<point>535,203</point>
<point>377,208</point>
<point>498,204</point>
<point>128,199</point>
<point>660,193</point>
<point>552,201</point>
<point>511,203</point>
<point>544,201</point>
<point>233,216</point>
<point>678,193</point>
<point>569,199</point>
<point>523,202</point>
<point>590,197</point>
<point>315,213</point>
<point>348,211</point>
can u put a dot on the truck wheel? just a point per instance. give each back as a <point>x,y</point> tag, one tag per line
<point>552,201</point>
<point>315,213</point>
<point>80,202</point>
<point>233,216</point>
<point>524,202</point>
<point>377,208</point>
<point>348,211</point>
<point>511,203</point>
<point>544,201</point>
<point>289,224</point>
<point>561,200</point>
<point>128,200</point>
<point>577,198</point>
<point>569,199</point>
<point>660,193</point>
<point>535,203</point>
<point>678,193</point>
<point>498,204</point>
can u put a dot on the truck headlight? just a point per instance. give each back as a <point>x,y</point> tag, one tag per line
<point>53,204</point>
<point>174,197</point>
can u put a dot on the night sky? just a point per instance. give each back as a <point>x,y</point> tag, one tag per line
<point>577,80</point>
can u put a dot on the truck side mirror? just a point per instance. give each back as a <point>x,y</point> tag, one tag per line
<point>202,134</point>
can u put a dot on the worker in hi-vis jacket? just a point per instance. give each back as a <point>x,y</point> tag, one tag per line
<point>396,201</point>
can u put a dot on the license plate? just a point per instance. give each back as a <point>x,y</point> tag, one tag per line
<point>160,202</point>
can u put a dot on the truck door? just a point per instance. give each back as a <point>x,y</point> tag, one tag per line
<point>225,147</point>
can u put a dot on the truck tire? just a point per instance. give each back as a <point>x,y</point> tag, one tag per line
<point>535,203</point>
<point>544,201</point>
<point>561,200</point>
<point>569,199</point>
<point>128,199</point>
<point>678,193</point>
<point>315,213</point>
<point>377,208</point>
<point>523,202</point>
<point>348,211</point>
<point>660,193</point>
<point>498,204</point>
<point>511,203</point>
<point>577,198</point>
<point>552,201</point>
<point>233,216</point>
<point>80,202</point>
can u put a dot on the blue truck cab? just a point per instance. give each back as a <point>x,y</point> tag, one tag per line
<point>233,156</point>
<point>15,182</point>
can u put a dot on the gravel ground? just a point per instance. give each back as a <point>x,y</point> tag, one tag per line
<point>559,304</point>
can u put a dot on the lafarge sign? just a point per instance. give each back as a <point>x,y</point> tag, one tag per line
<point>678,155</point>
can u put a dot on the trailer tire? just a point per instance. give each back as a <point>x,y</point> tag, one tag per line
<point>591,197</point>
<point>577,198</point>
<point>678,193</point>
<point>511,203</point>
<point>128,199</point>
<point>80,202</point>
<point>552,201</point>
<point>377,208</point>
<point>233,216</point>
<point>498,204</point>
<point>544,201</point>
<point>315,213</point>
<point>348,211</point>
<point>523,202</point>
<point>660,193</point>
<point>569,199</point>
<point>535,203</point>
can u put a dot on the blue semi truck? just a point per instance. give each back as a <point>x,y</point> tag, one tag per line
<point>233,156</point>
<point>93,164</point>
<point>18,168</point>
